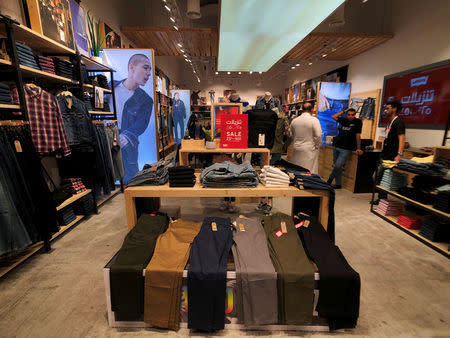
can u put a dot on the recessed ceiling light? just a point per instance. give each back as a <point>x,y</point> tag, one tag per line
<point>297,65</point>
<point>179,45</point>
<point>198,79</point>
<point>293,67</point>
<point>364,1</point>
<point>181,50</point>
<point>260,72</point>
<point>173,20</point>
<point>217,73</point>
<point>228,73</point>
<point>167,7</point>
<point>239,73</point>
<point>175,27</point>
<point>251,72</point>
<point>324,54</point>
<point>309,63</point>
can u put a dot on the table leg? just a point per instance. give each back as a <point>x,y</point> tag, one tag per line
<point>130,208</point>
<point>323,210</point>
<point>265,158</point>
<point>183,158</point>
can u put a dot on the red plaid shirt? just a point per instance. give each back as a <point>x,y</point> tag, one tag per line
<point>46,124</point>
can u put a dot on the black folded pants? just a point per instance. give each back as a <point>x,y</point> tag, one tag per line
<point>207,275</point>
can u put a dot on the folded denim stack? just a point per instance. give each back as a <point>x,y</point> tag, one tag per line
<point>181,176</point>
<point>46,64</point>
<point>73,185</point>
<point>427,183</point>
<point>66,215</point>
<point>152,174</point>
<point>435,231</point>
<point>85,205</point>
<point>229,175</point>
<point>389,208</point>
<point>5,94</point>
<point>84,74</point>
<point>106,106</point>
<point>393,180</point>
<point>442,201</point>
<point>409,222</point>
<point>64,68</point>
<point>417,195</point>
<point>102,81</point>
<point>431,169</point>
<point>26,56</point>
<point>273,177</point>
<point>87,98</point>
<point>93,81</point>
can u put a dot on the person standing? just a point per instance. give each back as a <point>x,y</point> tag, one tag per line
<point>179,116</point>
<point>347,140</point>
<point>307,135</point>
<point>282,137</point>
<point>394,143</point>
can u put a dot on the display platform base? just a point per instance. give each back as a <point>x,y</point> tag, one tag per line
<point>316,324</point>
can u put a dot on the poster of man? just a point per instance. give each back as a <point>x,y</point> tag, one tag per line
<point>134,94</point>
<point>181,104</point>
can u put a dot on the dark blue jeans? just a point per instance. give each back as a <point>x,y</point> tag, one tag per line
<point>339,157</point>
<point>130,161</point>
<point>179,129</point>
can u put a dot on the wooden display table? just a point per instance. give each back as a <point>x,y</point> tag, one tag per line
<point>185,151</point>
<point>198,191</point>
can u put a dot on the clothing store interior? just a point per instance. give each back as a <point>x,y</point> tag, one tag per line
<point>224,167</point>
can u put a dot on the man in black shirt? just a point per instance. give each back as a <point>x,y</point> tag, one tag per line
<point>348,139</point>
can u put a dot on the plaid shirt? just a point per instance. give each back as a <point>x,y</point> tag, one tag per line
<point>46,124</point>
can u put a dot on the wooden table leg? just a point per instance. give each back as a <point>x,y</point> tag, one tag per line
<point>130,208</point>
<point>183,158</point>
<point>265,158</point>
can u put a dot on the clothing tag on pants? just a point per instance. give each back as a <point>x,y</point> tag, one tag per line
<point>241,227</point>
<point>262,139</point>
<point>214,226</point>
<point>283,227</point>
<point>18,146</point>
<point>298,225</point>
<point>279,233</point>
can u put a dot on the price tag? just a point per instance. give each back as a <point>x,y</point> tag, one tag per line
<point>279,233</point>
<point>241,227</point>
<point>298,225</point>
<point>283,227</point>
<point>18,146</point>
<point>262,139</point>
<point>214,226</point>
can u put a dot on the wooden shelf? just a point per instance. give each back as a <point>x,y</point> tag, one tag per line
<point>73,199</point>
<point>5,62</point>
<point>104,199</point>
<point>64,228</point>
<point>94,66</point>
<point>106,90</point>
<point>9,106</point>
<point>288,104</point>
<point>421,205</point>
<point>28,71</point>
<point>167,146</point>
<point>99,112</point>
<point>37,41</point>
<point>438,246</point>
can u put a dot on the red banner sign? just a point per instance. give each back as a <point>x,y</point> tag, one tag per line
<point>234,131</point>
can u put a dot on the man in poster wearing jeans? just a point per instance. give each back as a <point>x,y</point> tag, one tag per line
<point>134,108</point>
<point>348,139</point>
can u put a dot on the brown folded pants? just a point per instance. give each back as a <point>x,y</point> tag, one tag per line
<point>164,273</point>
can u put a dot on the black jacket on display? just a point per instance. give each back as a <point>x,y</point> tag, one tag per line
<point>262,124</point>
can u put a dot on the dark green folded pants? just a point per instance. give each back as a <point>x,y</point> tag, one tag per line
<point>127,282</point>
<point>294,271</point>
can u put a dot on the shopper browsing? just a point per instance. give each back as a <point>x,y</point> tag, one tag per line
<point>134,108</point>
<point>347,140</point>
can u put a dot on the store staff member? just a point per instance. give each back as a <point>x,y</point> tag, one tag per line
<point>348,139</point>
<point>394,143</point>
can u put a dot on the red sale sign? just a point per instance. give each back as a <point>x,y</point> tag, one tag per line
<point>234,131</point>
<point>425,96</point>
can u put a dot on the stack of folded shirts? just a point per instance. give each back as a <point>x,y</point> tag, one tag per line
<point>102,81</point>
<point>84,74</point>
<point>64,68</point>
<point>273,177</point>
<point>152,174</point>
<point>442,201</point>
<point>5,94</point>
<point>427,183</point>
<point>46,64</point>
<point>229,175</point>
<point>66,215</point>
<point>181,176</point>
<point>435,231</point>
<point>26,56</point>
<point>85,205</point>
<point>431,169</point>
<point>409,222</point>
<point>73,185</point>
<point>393,180</point>
<point>389,208</point>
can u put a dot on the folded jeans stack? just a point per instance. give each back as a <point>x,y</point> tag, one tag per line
<point>409,222</point>
<point>5,94</point>
<point>431,169</point>
<point>393,180</point>
<point>152,174</point>
<point>46,64</point>
<point>26,56</point>
<point>87,98</point>
<point>417,195</point>
<point>389,208</point>
<point>181,176</point>
<point>229,175</point>
<point>442,201</point>
<point>102,81</point>
<point>273,177</point>
<point>435,231</point>
<point>73,185</point>
<point>66,215</point>
<point>85,205</point>
<point>64,68</point>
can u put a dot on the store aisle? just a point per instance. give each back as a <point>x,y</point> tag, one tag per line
<point>405,285</point>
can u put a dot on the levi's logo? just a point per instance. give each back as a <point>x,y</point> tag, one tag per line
<point>418,81</point>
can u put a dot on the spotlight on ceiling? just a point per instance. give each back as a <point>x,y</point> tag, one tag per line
<point>217,73</point>
<point>167,7</point>
<point>179,45</point>
<point>324,55</point>
<point>239,73</point>
<point>297,64</point>
<point>172,19</point>
<point>251,72</point>
<point>293,67</point>
<point>228,73</point>
<point>176,28</point>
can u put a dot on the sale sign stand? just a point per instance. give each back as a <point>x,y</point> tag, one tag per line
<point>234,131</point>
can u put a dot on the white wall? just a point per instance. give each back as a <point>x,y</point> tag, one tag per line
<point>421,30</point>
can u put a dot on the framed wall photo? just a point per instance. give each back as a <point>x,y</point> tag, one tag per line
<point>79,28</point>
<point>113,40</point>
<point>220,109</point>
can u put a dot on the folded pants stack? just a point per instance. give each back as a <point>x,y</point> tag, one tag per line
<point>431,169</point>
<point>442,201</point>
<point>26,56</point>
<point>229,175</point>
<point>164,273</point>
<point>102,81</point>
<point>256,278</point>
<point>152,174</point>
<point>274,177</point>
<point>87,98</point>
<point>5,94</point>
<point>85,205</point>
<point>46,64</point>
<point>73,185</point>
<point>393,180</point>
<point>63,68</point>
<point>66,215</point>
<point>409,222</point>
<point>181,176</point>
<point>417,195</point>
<point>435,231</point>
<point>390,208</point>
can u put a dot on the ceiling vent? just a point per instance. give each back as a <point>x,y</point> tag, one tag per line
<point>193,9</point>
